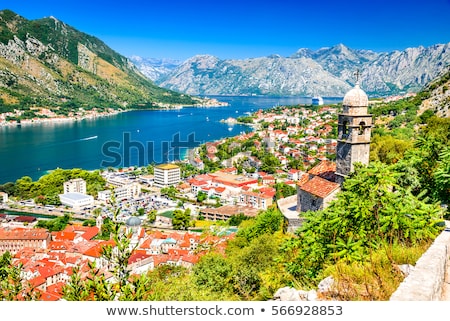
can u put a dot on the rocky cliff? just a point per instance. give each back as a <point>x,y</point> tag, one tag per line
<point>438,95</point>
<point>46,62</point>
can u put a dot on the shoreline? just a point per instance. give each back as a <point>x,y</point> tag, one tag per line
<point>95,115</point>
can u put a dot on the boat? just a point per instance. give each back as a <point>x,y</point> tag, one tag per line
<point>317,100</point>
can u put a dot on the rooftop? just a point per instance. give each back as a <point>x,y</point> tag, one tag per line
<point>325,169</point>
<point>356,97</point>
<point>319,187</point>
<point>75,196</point>
<point>167,166</point>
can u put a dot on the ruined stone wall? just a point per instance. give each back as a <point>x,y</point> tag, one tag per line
<point>426,281</point>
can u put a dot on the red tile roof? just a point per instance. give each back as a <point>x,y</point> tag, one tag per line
<point>63,235</point>
<point>325,169</point>
<point>37,281</point>
<point>24,234</point>
<point>137,256</point>
<point>90,233</point>
<point>319,187</point>
<point>96,250</point>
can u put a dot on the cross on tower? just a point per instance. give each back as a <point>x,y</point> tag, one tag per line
<point>357,74</point>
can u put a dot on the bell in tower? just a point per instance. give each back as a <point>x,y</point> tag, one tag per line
<point>354,129</point>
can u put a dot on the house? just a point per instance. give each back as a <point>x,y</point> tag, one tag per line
<point>316,194</point>
<point>293,174</point>
<point>139,262</point>
<point>258,200</point>
<point>13,240</point>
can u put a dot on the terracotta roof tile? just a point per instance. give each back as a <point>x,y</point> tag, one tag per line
<point>319,187</point>
<point>90,233</point>
<point>325,169</point>
<point>24,234</point>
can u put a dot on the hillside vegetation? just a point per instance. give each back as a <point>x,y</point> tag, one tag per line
<point>386,215</point>
<point>46,63</point>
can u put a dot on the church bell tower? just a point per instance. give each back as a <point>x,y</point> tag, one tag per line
<point>354,129</point>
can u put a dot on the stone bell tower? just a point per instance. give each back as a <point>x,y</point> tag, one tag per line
<point>354,128</point>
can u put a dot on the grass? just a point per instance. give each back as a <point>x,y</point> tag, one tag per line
<point>375,279</point>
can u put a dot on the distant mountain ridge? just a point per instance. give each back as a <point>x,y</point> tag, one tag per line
<point>328,72</point>
<point>154,68</point>
<point>46,62</point>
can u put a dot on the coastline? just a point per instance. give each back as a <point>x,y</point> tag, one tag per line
<point>211,103</point>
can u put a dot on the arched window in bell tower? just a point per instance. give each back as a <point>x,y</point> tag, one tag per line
<point>361,128</point>
<point>345,129</point>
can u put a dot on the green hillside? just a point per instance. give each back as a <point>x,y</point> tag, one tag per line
<point>47,63</point>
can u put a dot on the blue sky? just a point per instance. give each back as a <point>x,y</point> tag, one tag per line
<point>233,29</point>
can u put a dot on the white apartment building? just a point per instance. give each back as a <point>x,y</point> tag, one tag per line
<point>77,185</point>
<point>167,175</point>
<point>128,191</point>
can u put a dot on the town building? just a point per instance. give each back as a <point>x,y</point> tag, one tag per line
<point>3,198</point>
<point>259,200</point>
<point>76,200</point>
<point>14,240</point>
<point>354,130</point>
<point>225,212</point>
<point>77,185</point>
<point>128,191</point>
<point>316,194</point>
<point>167,175</point>
<point>316,191</point>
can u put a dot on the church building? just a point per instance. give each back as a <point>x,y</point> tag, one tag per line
<point>353,146</point>
<point>354,128</point>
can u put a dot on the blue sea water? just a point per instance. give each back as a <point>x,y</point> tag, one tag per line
<point>134,138</point>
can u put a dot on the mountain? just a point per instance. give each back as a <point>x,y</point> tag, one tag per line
<point>154,68</point>
<point>328,72</point>
<point>274,75</point>
<point>437,95</point>
<point>46,62</point>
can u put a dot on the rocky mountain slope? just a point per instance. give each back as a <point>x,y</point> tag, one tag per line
<point>438,95</point>
<point>154,68</point>
<point>326,72</point>
<point>46,62</point>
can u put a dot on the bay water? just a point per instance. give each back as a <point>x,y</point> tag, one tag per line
<point>133,138</point>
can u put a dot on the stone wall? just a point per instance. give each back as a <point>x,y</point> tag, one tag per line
<point>426,281</point>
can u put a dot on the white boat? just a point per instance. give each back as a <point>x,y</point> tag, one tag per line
<point>317,100</point>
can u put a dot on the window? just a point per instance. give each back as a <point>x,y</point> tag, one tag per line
<point>361,128</point>
<point>345,129</point>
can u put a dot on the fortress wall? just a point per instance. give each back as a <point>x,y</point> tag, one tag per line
<point>426,281</point>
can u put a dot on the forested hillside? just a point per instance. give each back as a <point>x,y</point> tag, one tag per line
<point>47,63</point>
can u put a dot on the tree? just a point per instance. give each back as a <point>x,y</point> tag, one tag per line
<point>56,224</point>
<point>181,219</point>
<point>284,190</point>
<point>267,222</point>
<point>270,163</point>
<point>442,176</point>
<point>201,196</point>
<point>371,212</point>
<point>388,149</point>
<point>12,286</point>
<point>151,216</point>
<point>213,273</point>
<point>236,219</point>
